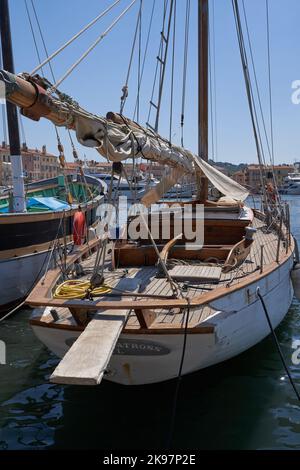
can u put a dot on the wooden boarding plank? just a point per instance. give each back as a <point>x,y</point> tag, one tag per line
<point>196,273</point>
<point>88,357</point>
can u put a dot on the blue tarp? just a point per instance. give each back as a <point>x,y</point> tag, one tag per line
<point>44,203</point>
<point>50,203</point>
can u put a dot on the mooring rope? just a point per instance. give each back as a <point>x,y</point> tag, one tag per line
<point>292,382</point>
<point>179,377</point>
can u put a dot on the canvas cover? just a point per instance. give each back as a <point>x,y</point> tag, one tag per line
<point>119,141</point>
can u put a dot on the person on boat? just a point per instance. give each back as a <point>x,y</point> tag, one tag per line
<point>271,193</point>
<point>79,227</point>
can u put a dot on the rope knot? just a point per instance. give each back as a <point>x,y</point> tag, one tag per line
<point>125,92</point>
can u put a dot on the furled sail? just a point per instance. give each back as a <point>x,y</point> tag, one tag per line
<point>118,139</point>
<point>115,137</point>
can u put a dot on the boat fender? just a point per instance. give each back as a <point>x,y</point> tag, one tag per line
<point>295,276</point>
<point>79,227</point>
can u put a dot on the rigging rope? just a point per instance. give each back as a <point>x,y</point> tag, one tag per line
<point>179,377</point>
<point>256,81</point>
<point>270,150</point>
<point>185,64</point>
<point>172,73</point>
<point>38,53</point>
<point>139,64</point>
<point>125,87</point>
<point>74,38</point>
<point>60,146</point>
<point>157,62</point>
<point>163,66</point>
<point>270,82</point>
<point>87,52</point>
<point>33,34</point>
<point>144,58</point>
<point>251,103</point>
<point>277,344</point>
<point>42,37</point>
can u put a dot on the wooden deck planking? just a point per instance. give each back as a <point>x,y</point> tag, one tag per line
<point>150,284</point>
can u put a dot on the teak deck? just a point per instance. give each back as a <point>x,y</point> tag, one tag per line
<point>150,310</point>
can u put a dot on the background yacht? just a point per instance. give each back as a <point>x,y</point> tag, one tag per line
<point>291,184</point>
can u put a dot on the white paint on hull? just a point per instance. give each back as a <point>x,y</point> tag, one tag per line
<point>239,324</point>
<point>18,276</point>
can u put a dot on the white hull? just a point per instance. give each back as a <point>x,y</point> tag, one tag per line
<point>18,275</point>
<point>239,323</point>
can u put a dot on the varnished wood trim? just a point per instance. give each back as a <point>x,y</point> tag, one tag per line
<point>145,317</point>
<point>165,329</point>
<point>30,250</point>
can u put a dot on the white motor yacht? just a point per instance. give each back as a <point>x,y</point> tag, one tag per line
<point>291,184</point>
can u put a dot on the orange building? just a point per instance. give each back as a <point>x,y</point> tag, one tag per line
<point>37,164</point>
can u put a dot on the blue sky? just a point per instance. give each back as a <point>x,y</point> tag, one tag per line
<point>97,82</point>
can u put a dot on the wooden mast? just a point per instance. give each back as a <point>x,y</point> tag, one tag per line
<point>203,90</point>
<point>12,116</point>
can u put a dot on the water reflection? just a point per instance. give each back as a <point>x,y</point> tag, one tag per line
<point>246,403</point>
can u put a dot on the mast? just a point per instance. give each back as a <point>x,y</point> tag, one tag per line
<point>203,90</point>
<point>12,116</point>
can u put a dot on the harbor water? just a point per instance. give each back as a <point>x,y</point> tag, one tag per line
<point>245,403</point>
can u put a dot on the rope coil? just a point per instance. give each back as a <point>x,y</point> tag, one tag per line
<point>75,289</point>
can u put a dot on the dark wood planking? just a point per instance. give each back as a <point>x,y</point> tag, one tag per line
<point>132,255</point>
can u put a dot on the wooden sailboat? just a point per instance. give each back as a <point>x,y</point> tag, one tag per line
<point>144,310</point>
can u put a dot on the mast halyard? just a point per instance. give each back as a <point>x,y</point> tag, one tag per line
<point>19,200</point>
<point>203,91</point>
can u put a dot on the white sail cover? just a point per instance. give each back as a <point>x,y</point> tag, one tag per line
<point>118,141</point>
<point>223,183</point>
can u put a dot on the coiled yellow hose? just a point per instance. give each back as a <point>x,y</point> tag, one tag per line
<point>74,289</point>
